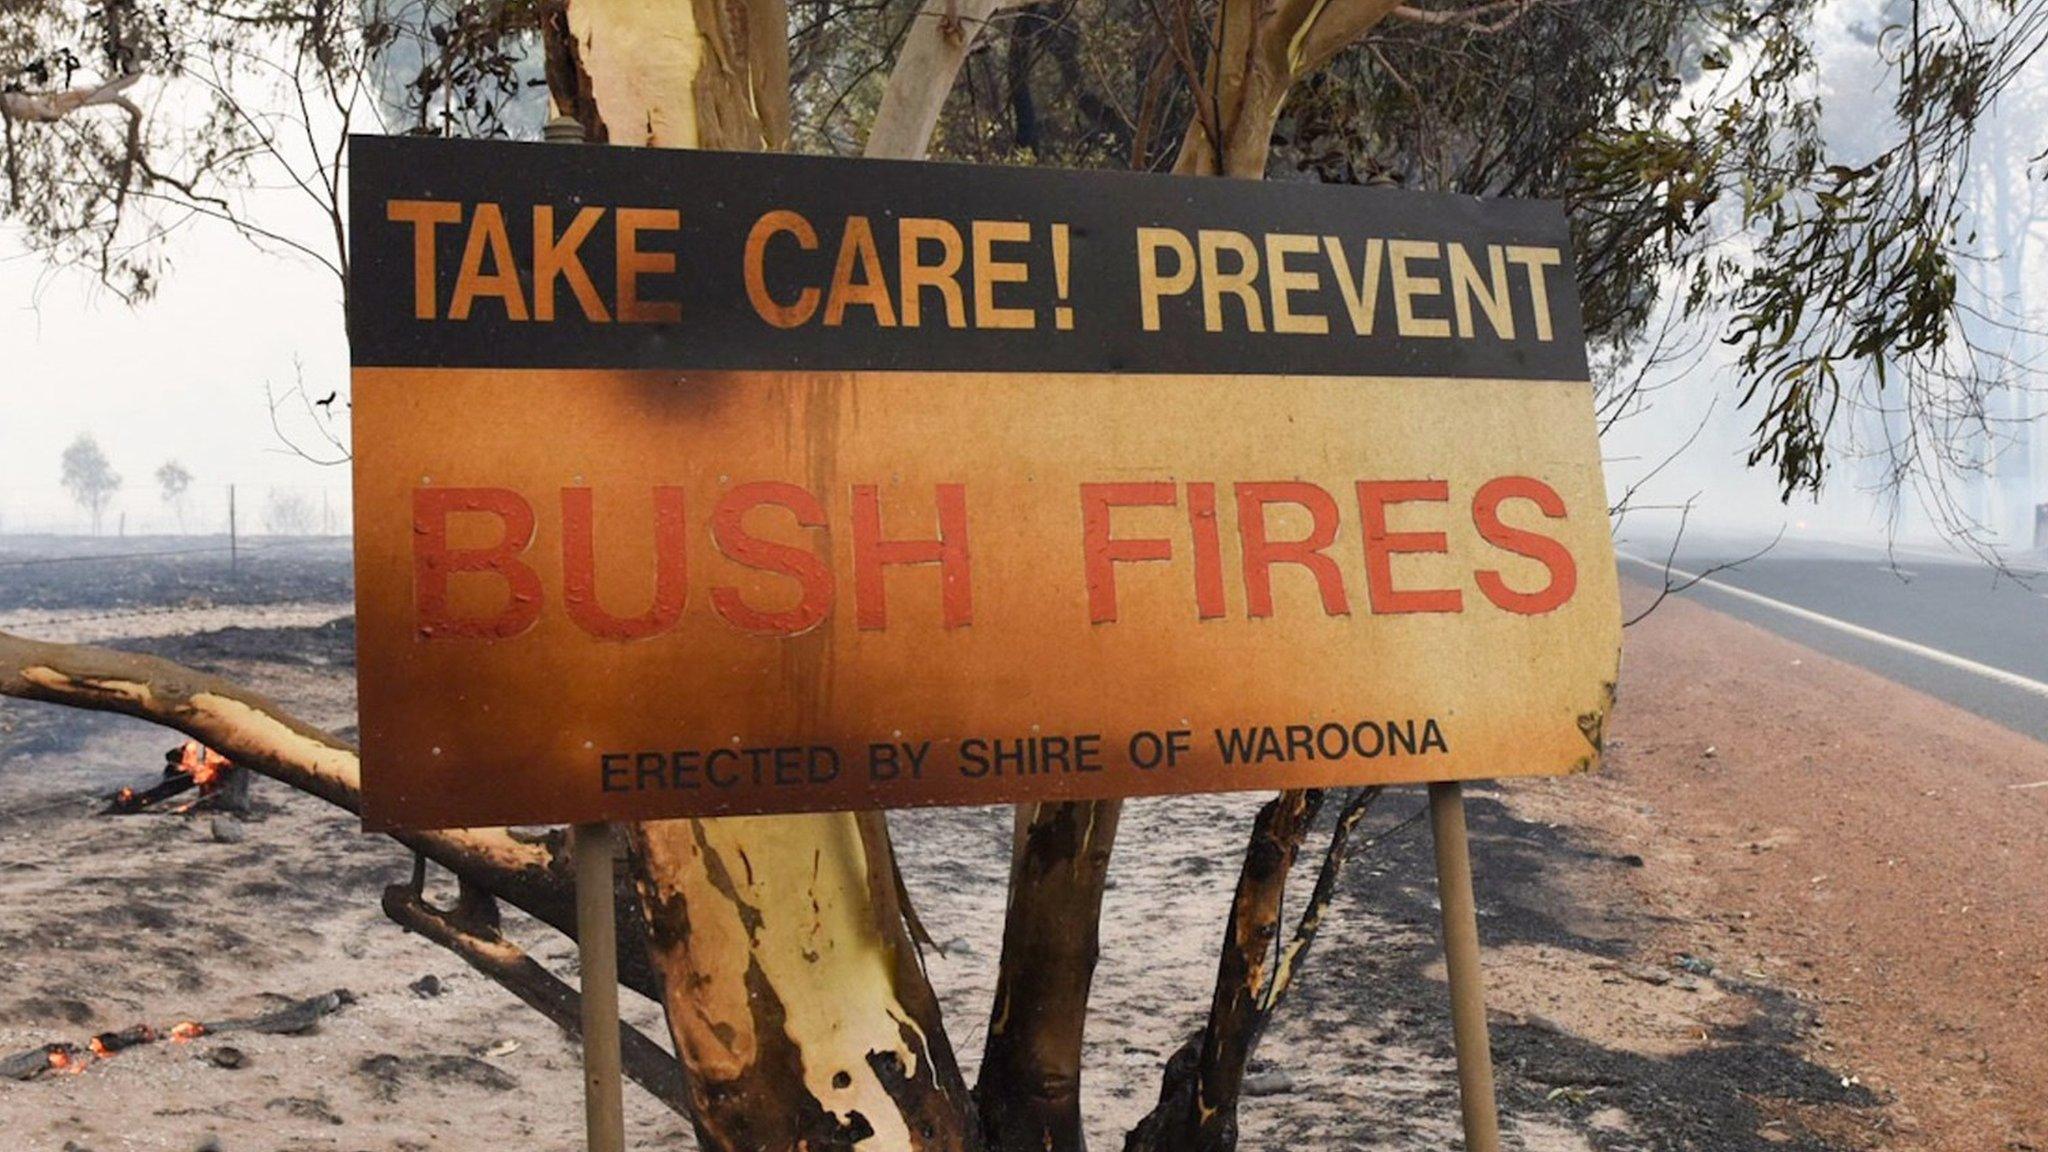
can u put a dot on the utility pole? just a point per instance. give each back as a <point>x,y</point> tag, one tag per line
<point>234,558</point>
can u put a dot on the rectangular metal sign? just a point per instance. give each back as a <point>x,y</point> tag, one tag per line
<point>696,483</point>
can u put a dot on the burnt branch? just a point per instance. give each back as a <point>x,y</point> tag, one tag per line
<point>1199,1092</point>
<point>1197,1109</point>
<point>485,949</point>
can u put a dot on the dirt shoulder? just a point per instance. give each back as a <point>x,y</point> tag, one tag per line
<point>1816,827</point>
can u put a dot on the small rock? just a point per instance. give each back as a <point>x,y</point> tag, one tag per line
<point>958,945</point>
<point>227,1057</point>
<point>1711,752</point>
<point>227,830</point>
<point>426,987</point>
<point>1647,974</point>
<point>75,1146</point>
<point>1630,860</point>
<point>1697,965</point>
<point>1613,1121</point>
<point>207,1143</point>
<point>1271,1082</point>
<point>306,1108</point>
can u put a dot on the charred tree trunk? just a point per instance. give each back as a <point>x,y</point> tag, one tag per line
<point>1198,1096</point>
<point>1197,1112</point>
<point>1029,1091</point>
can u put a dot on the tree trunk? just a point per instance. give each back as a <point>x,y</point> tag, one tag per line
<point>934,45</point>
<point>791,982</point>
<point>1029,1090</point>
<point>1259,48</point>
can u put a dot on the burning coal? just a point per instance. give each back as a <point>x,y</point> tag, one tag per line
<point>219,782</point>
<point>66,1059</point>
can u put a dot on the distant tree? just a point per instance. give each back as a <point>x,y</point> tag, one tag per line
<point>289,514</point>
<point>89,478</point>
<point>173,478</point>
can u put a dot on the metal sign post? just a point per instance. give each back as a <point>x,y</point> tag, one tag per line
<point>1461,963</point>
<point>597,950</point>
<point>597,930</point>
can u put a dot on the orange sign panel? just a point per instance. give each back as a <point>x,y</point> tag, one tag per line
<point>754,542</point>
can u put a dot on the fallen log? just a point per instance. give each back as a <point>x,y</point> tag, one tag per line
<point>529,872</point>
<point>223,785</point>
<point>107,1043</point>
<point>36,1061</point>
<point>293,1018</point>
<point>130,801</point>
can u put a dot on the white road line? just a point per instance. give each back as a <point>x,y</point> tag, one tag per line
<point>2009,679</point>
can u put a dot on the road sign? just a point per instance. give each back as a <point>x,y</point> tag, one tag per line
<point>704,483</point>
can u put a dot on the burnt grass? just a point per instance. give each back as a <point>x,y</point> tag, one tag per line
<point>1533,880</point>
<point>111,573</point>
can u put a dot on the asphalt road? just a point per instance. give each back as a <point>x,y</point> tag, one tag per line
<point>1947,624</point>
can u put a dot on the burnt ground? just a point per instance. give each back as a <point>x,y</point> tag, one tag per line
<point>1618,1025</point>
<point>1547,891</point>
<point>83,574</point>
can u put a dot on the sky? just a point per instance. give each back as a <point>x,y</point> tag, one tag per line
<point>180,377</point>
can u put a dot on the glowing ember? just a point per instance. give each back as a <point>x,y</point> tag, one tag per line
<point>69,1063</point>
<point>202,764</point>
<point>187,1030</point>
<point>99,1047</point>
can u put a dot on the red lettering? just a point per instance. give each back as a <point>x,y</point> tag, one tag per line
<point>871,554</point>
<point>1260,553</point>
<point>433,562</point>
<point>579,568</point>
<point>1208,551</point>
<point>1100,553</point>
<point>1381,546</point>
<point>1564,573</point>
<point>812,575</point>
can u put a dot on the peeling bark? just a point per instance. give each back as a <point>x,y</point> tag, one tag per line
<point>796,1001</point>
<point>695,74</point>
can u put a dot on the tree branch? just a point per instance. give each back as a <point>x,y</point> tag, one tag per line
<point>648,1064</point>
<point>50,107</point>
<point>938,40</point>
